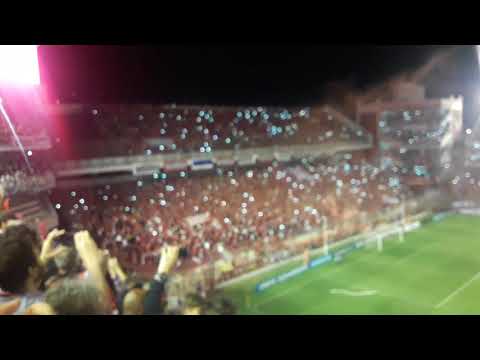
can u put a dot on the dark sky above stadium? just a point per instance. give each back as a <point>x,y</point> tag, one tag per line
<point>269,74</point>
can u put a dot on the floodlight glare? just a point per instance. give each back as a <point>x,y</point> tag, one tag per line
<point>19,65</point>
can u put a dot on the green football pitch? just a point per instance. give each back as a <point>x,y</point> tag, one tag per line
<point>436,270</point>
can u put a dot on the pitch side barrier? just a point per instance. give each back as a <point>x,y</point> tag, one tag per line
<point>337,254</point>
<point>338,250</point>
<point>342,249</point>
<point>466,208</point>
<point>474,212</point>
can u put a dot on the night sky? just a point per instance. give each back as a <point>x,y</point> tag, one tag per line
<point>237,74</point>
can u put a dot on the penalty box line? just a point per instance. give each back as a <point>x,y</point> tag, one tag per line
<point>457,291</point>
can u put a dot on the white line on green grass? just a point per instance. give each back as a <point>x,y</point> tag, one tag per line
<point>457,291</point>
<point>287,291</point>
<point>362,259</point>
<point>334,270</point>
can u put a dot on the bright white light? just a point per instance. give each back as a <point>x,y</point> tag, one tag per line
<point>468,131</point>
<point>19,65</point>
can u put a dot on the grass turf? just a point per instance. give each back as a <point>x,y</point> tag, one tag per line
<point>436,270</point>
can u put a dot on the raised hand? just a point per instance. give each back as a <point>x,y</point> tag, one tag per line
<point>168,259</point>
<point>48,250</point>
<point>94,260</point>
<point>88,251</point>
<point>10,307</point>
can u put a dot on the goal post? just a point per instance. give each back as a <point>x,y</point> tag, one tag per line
<point>325,235</point>
<point>379,243</point>
<point>401,235</point>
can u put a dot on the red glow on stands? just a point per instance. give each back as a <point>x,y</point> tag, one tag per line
<point>19,65</point>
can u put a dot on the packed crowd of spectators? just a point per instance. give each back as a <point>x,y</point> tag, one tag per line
<point>22,106</point>
<point>407,129</point>
<point>427,118</point>
<point>162,129</point>
<point>226,210</point>
<point>18,176</point>
<point>412,162</point>
<point>414,137</point>
<point>72,276</point>
<point>22,130</point>
<point>466,185</point>
<point>417,143</point>
<point>116,229</point>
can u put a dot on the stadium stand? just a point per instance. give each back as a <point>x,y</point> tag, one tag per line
<point>27,118</point>
<point>225,210</point>
<point>206,192</point>
<point>162,129</point>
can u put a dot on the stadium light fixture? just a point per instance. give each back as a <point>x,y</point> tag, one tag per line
<point>18,69</point>
<point>19,65</point>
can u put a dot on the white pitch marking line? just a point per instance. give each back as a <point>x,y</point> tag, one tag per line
<point>331,272</point>
<point>460,289</point>
<point>336,270</point>
<point>287,291</point>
